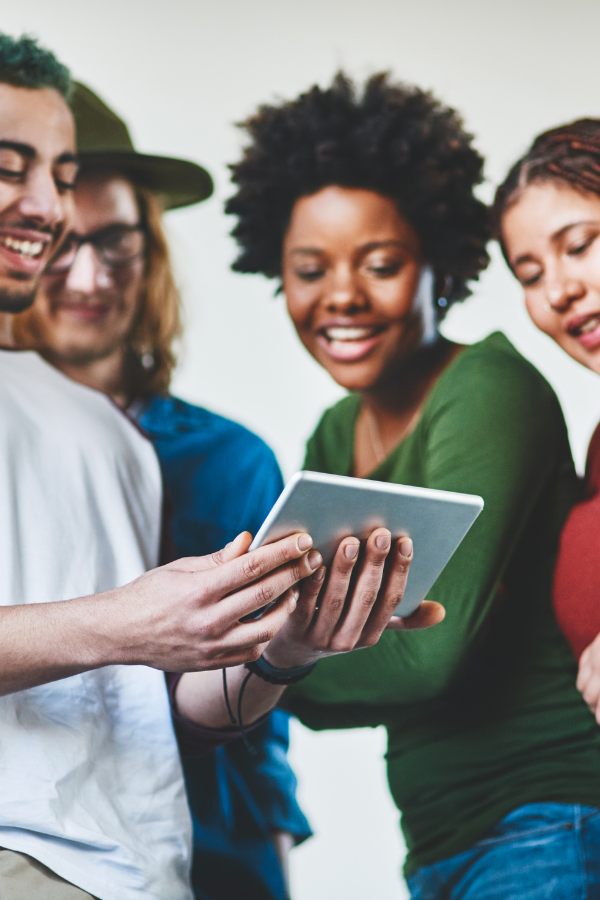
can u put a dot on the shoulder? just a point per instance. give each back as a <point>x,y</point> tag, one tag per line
<point>494,405</point>
<point>496,355</point>
<point>493,374</point>
<point>171,418</point>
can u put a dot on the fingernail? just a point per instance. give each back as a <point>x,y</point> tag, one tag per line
<point>406,547</point>
<point>314,559</point>
<point>304,542</point>
<point>351,551</point>
<point>319,575</point>
<point>383,541</point>
<point>295,593</point>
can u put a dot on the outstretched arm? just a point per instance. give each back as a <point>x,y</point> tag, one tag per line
<point>181,617</point>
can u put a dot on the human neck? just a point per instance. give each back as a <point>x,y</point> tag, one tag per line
<point>105,375</point>
<point>6,335</point>
<point>404,389</point>
<point>390,410</point>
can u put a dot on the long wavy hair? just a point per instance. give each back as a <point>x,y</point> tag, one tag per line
<point>150,356</point>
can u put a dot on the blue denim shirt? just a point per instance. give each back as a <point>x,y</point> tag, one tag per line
<point>222,480</point>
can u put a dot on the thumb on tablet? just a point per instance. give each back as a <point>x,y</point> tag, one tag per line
<point>426,615</point>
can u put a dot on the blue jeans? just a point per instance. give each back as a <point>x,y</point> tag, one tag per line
<point>542,851</point>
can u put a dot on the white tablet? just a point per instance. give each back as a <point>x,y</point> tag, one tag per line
<point>331,507</point>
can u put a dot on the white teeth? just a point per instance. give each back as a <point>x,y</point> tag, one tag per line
<point>25,248</point>
<point>590,325</point>
<point>347,333</point>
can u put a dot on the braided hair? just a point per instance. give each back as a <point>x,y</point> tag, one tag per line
<point>569,154</point>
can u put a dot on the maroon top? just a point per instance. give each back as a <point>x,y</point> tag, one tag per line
<point>577,575</point>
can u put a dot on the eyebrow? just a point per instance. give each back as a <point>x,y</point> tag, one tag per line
<point>527,257</point>
<point>29,152</point>
<point>23,149</point>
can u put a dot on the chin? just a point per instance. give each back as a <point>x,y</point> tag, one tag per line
<point>352,378</point>
<point>13,300</point>
<point>67,354</point>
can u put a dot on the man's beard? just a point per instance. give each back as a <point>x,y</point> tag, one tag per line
<point>14,299</point>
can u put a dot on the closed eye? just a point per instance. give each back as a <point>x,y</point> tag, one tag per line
<point>310,274</point>
<point>580,249</point>
<point>531,280</point>
<point>384,271</point>
<point>11,174</point>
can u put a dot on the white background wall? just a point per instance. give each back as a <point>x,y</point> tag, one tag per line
<point>180,73</point>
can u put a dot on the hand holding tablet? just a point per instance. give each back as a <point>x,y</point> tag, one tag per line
<point>332,507</point>
<point>366,590</point>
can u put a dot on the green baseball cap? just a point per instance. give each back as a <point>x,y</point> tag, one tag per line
<point>103,140</point>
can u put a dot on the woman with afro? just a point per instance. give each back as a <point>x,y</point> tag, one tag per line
<point>360,201</point>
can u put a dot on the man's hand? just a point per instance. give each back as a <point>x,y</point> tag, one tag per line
<point>185,616</point>
<point>588,679</point>
<point>351,609</point>
<point>181,617</point>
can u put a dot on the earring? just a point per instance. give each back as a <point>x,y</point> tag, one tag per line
<point>145,355</point>
<point>442,301</point>
<point>147,359</point>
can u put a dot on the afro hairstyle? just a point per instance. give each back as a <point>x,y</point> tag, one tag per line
<point>394,139</point>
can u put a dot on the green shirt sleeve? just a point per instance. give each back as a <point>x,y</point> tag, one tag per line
<point>491,426</point>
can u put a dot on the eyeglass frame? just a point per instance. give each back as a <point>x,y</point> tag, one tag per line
<point>92,239</point>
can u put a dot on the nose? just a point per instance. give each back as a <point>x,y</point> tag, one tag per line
<point>562,289</point>
<point>42,202</point>
<point>86,274</point>
<point>345,292</point>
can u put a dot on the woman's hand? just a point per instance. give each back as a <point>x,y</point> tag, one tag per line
<point>588,679</point>
<point>347,611</point>
<point>351,609</point>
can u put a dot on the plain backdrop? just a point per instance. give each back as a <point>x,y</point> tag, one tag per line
<point>181,73</point>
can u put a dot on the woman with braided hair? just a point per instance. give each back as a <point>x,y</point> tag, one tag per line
<point>360,201</point>
<point>547,215</point>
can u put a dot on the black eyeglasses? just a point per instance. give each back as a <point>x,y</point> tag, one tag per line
<point>116,247</point>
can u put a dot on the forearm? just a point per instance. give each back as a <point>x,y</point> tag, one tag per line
<point>283,842</point>
<point>200,697</point>
<point>45,642</point>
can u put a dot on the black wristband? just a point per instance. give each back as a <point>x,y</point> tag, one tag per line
<point>273,675</point>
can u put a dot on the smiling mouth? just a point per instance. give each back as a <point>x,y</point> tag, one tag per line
<point>347,333</point>
<point>587,326</point>
<point>350,343</point>
<point>28,249</point>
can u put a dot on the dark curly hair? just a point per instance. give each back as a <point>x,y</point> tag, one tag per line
<point>569,154</point>
<point>23,63</point>
<point>394,139</point>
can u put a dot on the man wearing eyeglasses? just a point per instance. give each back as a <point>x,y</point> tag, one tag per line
<point>93,802</point>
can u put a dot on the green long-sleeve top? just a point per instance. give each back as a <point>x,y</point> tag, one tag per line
<point>481,711</point>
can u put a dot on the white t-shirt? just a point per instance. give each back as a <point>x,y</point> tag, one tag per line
<point>90,778</point>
